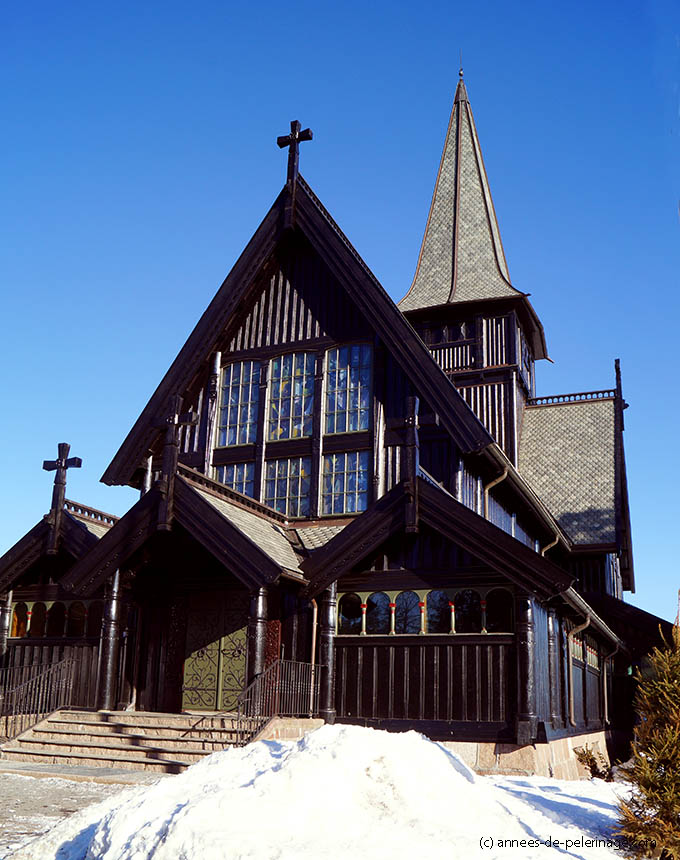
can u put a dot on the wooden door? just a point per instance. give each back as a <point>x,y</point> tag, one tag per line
<point>216,651</point>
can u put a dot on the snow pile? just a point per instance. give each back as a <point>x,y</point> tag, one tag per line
<point>343,791</point>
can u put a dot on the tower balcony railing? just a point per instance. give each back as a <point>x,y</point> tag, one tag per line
<point>579,397</point>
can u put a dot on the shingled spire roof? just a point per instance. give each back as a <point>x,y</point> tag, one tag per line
<point>461,258</point>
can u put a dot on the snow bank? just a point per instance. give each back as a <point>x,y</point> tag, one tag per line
<point>343,791</point>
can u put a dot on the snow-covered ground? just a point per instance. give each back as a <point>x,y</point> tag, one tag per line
<point>341,792</point>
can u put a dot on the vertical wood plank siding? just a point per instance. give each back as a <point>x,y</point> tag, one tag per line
<point>409,679</point>
<point>489,403</point>
<point>495,341</point>
<point>299,301</point>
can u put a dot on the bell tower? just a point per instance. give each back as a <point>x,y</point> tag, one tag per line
<point>483,332</point>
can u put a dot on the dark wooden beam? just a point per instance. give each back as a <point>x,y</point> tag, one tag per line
<point>107,683</point>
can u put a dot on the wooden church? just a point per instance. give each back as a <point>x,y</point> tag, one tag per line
<point>370,495</point>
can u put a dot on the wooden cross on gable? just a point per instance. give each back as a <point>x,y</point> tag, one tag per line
<point>292,141</point>
<point>60,466</point>
<point>174,419</point>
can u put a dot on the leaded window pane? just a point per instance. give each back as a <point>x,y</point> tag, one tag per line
<point>348,388</point>
<point>239,403</point>
<point>287,486</point>
<point>407,613</point>
<point>349,614</point>
<point>378,613</point>
<point>238,476</point>
<point>291,396</point>
<point>345,483</point>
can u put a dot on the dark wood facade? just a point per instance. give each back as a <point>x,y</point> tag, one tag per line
<point>393,489</point>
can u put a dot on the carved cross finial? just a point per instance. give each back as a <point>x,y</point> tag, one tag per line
<point>60,466</point>
<point>292,141</point>
<point>174,419</point>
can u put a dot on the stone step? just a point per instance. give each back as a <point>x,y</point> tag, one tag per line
<point>225,735</point>
<point>141,718</point>
<point>72,735</point>
<point>89,760</point>
<point>108,750</point>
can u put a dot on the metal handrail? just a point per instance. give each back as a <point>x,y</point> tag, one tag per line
<point>24,705</point>
<point>286,688</point>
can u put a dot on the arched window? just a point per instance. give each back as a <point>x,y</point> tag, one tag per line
<point>349,614</point>
<point>378,613</point>
<point>19,621</point>
<point>468,612</point>
<point>438,612</point>
<point>407,613</point>
<point>56,619</point>
<point>94,618</point>
<point>38,620</point>
<point>499,611</point>
<point>75,626</point>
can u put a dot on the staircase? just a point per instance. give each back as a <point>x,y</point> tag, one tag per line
<point>164,743</point>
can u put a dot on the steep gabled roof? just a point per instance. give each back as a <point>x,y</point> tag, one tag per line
<point>352,274</point>
<point>80,530</point>
<point>253,547</point>
<point>441,512</point>
<point>461,258</point>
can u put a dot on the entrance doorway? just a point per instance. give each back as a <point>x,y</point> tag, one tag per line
<point>216,651</point>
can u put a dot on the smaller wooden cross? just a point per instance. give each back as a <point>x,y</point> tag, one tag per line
<point>60,466</point>
<point>292,141</point>
<point>174,420</point>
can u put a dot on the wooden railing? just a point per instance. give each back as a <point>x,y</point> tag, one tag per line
<point>571,398</point>
<point>47,688</point>
<point>287,688</point>
<point>93,514</point>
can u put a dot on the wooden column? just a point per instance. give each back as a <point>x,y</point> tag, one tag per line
<point>526,719</point>
<point>554,670</point>
<point>5,624</point>
<point>109,644</point>
<point>328,605</point>
<point>257,633</point>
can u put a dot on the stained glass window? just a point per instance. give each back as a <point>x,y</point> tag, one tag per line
<point>291,396</point>
<point>345,483</point>
<point>238,476</point>
<point>349,614</point>
<point>407,613</point>
<point>239,403</point>
<point>348,388</point>
<point>287,486</point>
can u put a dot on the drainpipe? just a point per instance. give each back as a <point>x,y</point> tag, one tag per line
<point>605,661</point>
<point>490,486</point>
<point>570,674</point>
<point>550,545</point>
<point>315,616</point>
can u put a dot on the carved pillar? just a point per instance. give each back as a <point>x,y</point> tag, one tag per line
<point>257,633</point>
<point>329,600</point>
<point>527,719</point>
<point>109,644</point>
<point>5,624</point>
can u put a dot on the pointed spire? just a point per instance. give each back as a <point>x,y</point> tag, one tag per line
<point>461,258</point>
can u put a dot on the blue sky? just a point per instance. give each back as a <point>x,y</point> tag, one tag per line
<point>138,156</point>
